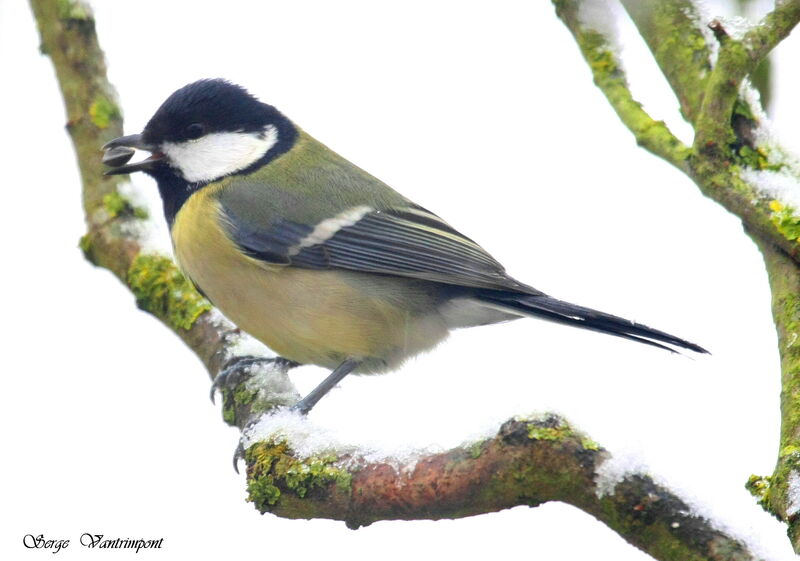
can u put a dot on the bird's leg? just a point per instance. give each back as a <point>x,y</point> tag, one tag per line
<point>308,402</point>
<point>237,369</point>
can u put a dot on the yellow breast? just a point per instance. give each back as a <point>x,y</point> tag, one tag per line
<point>312,317</point>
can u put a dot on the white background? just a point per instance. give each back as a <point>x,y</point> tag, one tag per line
<point>485,115</point>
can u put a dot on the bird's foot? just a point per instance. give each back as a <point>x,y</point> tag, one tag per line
<point>308,402</point>
<point>238,369</point>
<point>238,454</point>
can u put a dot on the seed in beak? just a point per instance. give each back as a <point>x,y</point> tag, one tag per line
<point>117,156</point>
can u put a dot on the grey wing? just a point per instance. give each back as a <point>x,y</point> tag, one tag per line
<point>409,242</point>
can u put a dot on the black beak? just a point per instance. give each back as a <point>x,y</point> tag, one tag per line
<point>120,150</point>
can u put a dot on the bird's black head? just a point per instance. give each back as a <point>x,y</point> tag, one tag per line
<point>207,106</point>
<point>205,131</point>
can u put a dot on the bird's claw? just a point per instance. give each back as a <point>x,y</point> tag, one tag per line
<point>238,454</point>
<point>234,373</point>
<point>238,369</point>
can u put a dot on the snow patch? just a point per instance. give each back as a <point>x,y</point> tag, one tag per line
<point>218,320</point>
<point>307,439</point>
<point>753,98</point>
<point>151,233</point>
<point>737,26</point>
<point>701,16</point>
<point>620,467</point>
<point>614,470</point>
<point>781,185</point>
<point>600,16</point>
<point>766,135</point>
<point>242,344</point>
<point>270,381</point>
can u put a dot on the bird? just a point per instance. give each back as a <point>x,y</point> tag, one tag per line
<point>313,256</point>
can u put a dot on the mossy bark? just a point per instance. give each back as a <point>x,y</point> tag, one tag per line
<point>670,31</point>
<point>529,462</point>
<point>775,494</point>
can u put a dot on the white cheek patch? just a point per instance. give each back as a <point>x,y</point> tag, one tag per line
<point>218,154</point>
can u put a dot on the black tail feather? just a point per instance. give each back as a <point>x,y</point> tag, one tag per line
<point>551,309</point>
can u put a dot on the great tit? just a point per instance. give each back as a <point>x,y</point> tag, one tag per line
<point>313,256</point>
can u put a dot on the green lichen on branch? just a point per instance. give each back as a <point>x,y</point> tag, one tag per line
<point>239,399</point>
<point>785,219</point>
<point>746,151</point>
<point>554,428</point>
<point>784,279</point>
<point>759,486</point>
<point>275,474</point>
<point>743,109</point>
<point>161,289</point>
<point>243,395</point>
<point>670,29</point>
<point>476,449</point>
<point>721,97</point>
<point>725,121</point>
<point>774,28</point>
<point>85,245</point>
<point>756,158</point>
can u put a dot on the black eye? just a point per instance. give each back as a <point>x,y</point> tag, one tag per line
<point>195,130</point>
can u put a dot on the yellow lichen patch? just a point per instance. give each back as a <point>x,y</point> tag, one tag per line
<point>103,111</point>
<point>785,220</point>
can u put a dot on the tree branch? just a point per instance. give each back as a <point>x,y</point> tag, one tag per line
<point>724,148</point>
<point>711,101</point>
<point>609,76</point>
<point>528,462</point>
<point>777,25</point>
<point>737,60</point>
<point>678,46</point>
<point>778,493</point>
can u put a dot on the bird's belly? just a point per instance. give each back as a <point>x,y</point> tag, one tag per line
<point>317,317</point>
<point>310,316</point>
